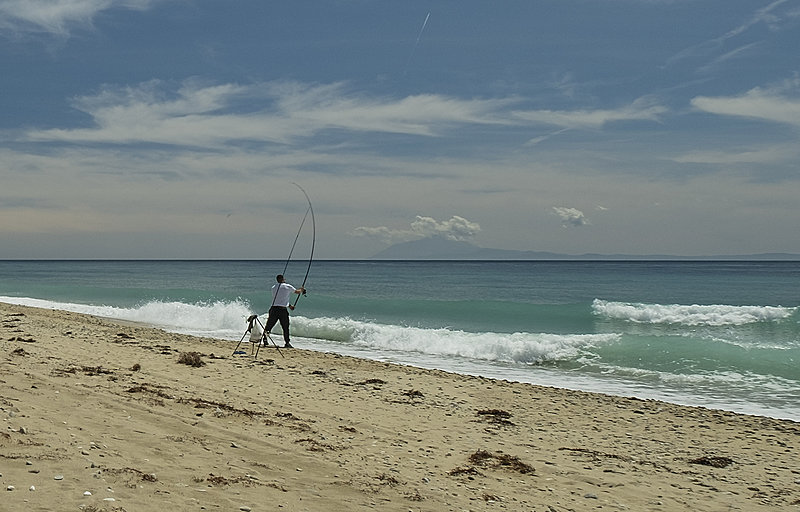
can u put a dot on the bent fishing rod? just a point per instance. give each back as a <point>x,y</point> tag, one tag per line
<point>313,241</point>
<point>310,209</point>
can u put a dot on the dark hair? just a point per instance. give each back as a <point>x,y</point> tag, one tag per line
<point>279,278</point>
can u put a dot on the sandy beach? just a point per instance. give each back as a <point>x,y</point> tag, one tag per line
<point>105,416</point>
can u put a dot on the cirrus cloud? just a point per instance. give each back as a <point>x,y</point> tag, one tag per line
<point>779,103</point>
<point>642,109</point>
<point>197,114</point>
<point>57,17</point>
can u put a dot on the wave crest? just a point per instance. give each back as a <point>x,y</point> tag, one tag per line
<point>520,347</point>
<point>203,318</point>
<point>694,315</point>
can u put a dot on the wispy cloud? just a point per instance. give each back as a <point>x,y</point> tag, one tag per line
<point>768,155</point>
<point>206,115</point>
<point>456,228</point>
<point>197,114</point>
<point>770,16</point>
<point>537,140</point>
<point>643,109</point>
<point>57,17</point>
<point>332,106</point>
<point>779,103</point>
<point>737,53</point>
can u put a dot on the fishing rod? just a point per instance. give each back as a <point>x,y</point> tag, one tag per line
<point>264,333</point>
<point>296,237</point>
<point>313,241</point>
<point>310,210</point>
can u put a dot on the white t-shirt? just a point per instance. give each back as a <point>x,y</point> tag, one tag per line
<point>282,293</point>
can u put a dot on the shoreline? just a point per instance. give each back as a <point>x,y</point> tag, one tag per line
<point>544,376</point>
<point>106,406</point>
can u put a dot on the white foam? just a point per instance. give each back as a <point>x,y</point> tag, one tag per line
<point>227,320</point>
<point>502,347</point>
<point>714,315</point>
<point>213,318</point>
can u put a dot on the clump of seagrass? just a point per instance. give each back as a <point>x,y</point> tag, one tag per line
<point>221,481</point>
<point>373,382</point>
<point>387,479</point>
<point>496,417</point>
<point>713,461</point>
<point>137,474</point>
<point>499,460</point>
<point>191,358</point>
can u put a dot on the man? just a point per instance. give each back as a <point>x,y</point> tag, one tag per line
<point>279,311</point>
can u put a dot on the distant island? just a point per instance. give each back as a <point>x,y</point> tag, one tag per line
<point>440,248</point>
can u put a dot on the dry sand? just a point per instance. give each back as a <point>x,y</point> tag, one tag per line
<point>101,415</point>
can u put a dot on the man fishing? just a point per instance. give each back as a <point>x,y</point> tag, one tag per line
<point>279,311</point>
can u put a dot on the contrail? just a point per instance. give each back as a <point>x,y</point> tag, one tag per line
<point>416,43</point>
<point>424,24</point>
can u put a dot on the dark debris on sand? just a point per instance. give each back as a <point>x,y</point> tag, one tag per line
<point>713,461</point>
<point>193,359</point>
<point>488,460</point>
<point>496,417</point>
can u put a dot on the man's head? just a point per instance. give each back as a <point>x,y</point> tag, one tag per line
<point>279,278</point>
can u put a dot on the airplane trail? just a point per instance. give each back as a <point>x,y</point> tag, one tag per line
<point>416,43</point>
<point>424,24</point>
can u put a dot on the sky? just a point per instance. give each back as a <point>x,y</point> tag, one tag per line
<point>178,128</point>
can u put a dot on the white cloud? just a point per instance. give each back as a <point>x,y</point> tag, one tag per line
<point>57,17</point>
<point>769,155</point>
<point>424,114</point>
<point>197,114</point>
<point>734,54</point>
<point>456,228</point>
<point>537,140</point>
<point>570,216</point>
<point>202,115</point>
<point>643,109</point>
<point>770,16</point>
<point>779,104</point>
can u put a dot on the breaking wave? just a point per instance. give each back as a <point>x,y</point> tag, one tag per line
<point>693,315</point>
<point>213,318</point>
<point>519,347</point>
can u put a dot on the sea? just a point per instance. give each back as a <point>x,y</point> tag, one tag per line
<point>717,334</point>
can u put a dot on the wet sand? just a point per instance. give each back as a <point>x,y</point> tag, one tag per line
<point>101,415</point>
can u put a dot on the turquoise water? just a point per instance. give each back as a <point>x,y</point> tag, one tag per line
<point>717,334</point>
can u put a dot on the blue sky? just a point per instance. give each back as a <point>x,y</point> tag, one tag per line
<point>175,128</point>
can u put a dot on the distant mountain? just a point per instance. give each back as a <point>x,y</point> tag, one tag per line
<point>439,248</point>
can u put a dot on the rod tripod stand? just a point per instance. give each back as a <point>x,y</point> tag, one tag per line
<point>257,336</point>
